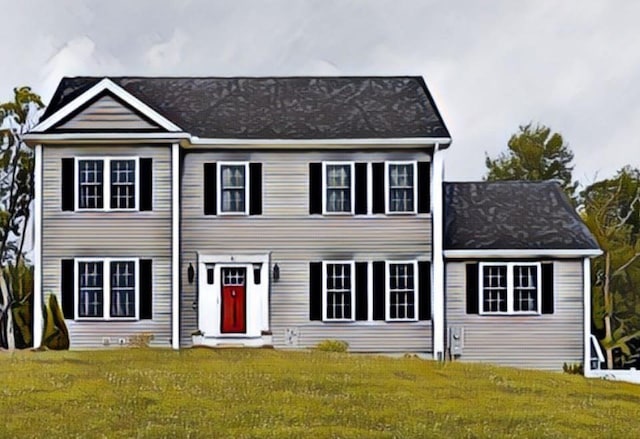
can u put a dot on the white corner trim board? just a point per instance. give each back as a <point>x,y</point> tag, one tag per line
<point>37,250</point>
<point>438,261</point>
<point>106,85</point>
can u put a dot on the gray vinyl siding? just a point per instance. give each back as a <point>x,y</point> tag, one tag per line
<point>145,235</point>
<point>295,238</point>
<point>106,114</point>
<point>537,342</point>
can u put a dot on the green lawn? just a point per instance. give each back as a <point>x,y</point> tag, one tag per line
<point>265,393</point>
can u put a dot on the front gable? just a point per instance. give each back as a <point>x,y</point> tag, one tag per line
<point>106,107</point>
<point>106,112</point>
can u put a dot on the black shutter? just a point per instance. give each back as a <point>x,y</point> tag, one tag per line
<point>146,184</point>
<point>424,283</point>
<point>315,188</point>
<point>210,189</point>
<point>146,289</point>
<point>377,186</point>
<point>67,185</point>
<point>315,291</point>
<point>67,286</point>
<point>378,291</point>
<point>255,190</point>
<point>361,189</point>
<point>424,187</point>
<point>547,288</point>
<point>361,291</point>
<point>472,288</point>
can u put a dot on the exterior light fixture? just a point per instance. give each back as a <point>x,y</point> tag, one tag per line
<point>190,273</point>
<point>276,273</point>
<point>256,272</point>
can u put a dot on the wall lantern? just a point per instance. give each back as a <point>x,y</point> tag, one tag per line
<point>256,272</point>
<point>190,273</point>
<point>276,273</point>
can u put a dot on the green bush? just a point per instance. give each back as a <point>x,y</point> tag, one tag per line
<point>333,346</point>
<point>55,335</point>
<point>573,368</point>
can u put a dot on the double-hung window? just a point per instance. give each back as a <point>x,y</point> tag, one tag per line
<point>402,297</point>
<point>401,190</point>
<point>510,288</point>
<point>107,289</point>
<point>107,183</point>
<point>338,289</point>
<point>233,186</point>
<point>338,194</point>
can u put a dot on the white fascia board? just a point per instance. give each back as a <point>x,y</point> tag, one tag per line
<point>526,253</point>
<point>437,265</point>
<point>38,300</point>
<point>586,297</point>
<point>107,84</point>
<point>408,142</point>
<point>175,246</point>
<point>66,138</point>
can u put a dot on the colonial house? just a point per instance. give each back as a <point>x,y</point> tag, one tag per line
<point>285,211</point>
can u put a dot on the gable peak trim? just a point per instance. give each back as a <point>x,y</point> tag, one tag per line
<point>108,85</point>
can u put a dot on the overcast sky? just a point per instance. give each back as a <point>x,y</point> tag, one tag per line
<point>491,66</point>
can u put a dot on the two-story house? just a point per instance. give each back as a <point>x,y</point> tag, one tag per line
<point>286,211</point>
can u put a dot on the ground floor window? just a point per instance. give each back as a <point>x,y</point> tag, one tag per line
<point>107,288</point>
<point>401,291</point>
<point>510,288</point>
<point>338,291</point>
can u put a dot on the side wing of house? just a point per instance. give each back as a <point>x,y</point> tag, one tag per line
<point>104,218</point>
<point>517,275</point>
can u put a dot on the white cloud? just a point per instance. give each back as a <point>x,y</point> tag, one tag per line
<point>167,54</point>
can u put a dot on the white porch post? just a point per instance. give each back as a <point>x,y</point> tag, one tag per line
<point>437,264</point>
<point>37,249</point>
<point>175,246</point>
<point>586,273</point>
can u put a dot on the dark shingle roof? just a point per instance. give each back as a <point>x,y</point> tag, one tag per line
<point>512,215</point>
<point>281,107</point>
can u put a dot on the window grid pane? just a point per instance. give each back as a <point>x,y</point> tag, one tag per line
<point>401,291</point>
<point>233,188</point>
<point>123,186</point>
<point>91,298</point>
<point>338,188</point>
<point>90,180</point>
<point>525,288</point>
<point>401,188</point>
<point>123,292</point>
<point>338,291</point>
<point>494,289</point>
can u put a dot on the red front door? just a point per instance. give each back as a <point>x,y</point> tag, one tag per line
<point>234,304</point>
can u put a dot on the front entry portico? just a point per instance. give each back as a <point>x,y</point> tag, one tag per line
<point>233,300</point>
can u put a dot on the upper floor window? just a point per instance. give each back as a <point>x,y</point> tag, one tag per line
<point>338,188</point>
<point>107,183</point>
<point>401,187</point>
<point>510,288</point>
<point>233,188</point>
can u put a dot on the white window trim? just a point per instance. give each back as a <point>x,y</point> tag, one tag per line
<point>106,181</point>
<point>219,188</point>
<point>387,187</point>
<point>510,289</point>
<point>352,188</point>
<point>387,291</point>
<point>324,291</point>
<point>106,288</point>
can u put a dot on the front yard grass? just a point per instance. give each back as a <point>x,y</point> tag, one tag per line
<point>234,393</point>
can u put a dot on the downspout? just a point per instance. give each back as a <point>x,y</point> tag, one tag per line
<point>175,246</point>
<point>437,207</point>
<point>37,249</point>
